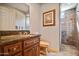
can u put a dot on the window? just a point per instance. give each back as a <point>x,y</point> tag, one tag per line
<point>62,14</point>
<point>27,22</point>
<point>77,26</point>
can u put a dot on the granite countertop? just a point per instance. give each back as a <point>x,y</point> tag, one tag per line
<point>10,38</point>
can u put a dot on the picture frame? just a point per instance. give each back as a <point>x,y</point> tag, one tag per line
<point>49,18</point>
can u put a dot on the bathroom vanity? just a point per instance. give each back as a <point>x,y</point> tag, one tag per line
<point>20,45</point>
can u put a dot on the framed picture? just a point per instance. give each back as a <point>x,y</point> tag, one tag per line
<point>49,18</point>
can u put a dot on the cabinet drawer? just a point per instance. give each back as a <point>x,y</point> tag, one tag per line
<point>30,42</point>
<point>13,48</point>
<point>36,40</point>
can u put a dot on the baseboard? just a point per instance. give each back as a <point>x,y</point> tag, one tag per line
<point>53,50</point>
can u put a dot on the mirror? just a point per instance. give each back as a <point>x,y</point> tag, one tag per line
<point>14,16</point>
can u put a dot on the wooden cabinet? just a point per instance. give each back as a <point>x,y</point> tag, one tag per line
<point>23,47</point>
<point>14,48</point>
<point>29,52</point>
<point>28,43</point>
<point>37,50</point>
<point>18,54</point>
<point>33,49</point>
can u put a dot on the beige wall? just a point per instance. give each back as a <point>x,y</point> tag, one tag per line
<point>34,18</point>
<point>51,33</point>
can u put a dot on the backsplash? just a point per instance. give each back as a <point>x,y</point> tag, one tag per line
<point>5,33</point>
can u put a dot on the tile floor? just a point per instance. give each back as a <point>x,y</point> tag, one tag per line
<point>66,50</point>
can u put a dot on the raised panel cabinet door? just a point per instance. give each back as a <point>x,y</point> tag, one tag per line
<point>29,52</point>
<point>36,50</point>
<point>13,48</point>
